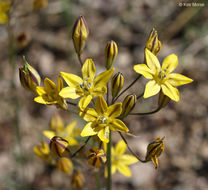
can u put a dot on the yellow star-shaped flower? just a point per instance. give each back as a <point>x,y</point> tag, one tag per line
<point>161,77</point>
<point>120,160</point>
<point>87,87</point>
<point>49,94</point>
<point>102,119</point>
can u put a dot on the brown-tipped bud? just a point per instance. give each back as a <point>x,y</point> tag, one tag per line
<point>154,150</point>
<point>29,77</point>
<point>79,34</point>
<point>56,123</point>
<point>117,84</point>
<point>96,157</point>
<point>59,147</point>
<point>39,4</point>
<point>65,165</point>
<point>153,44</point>
<point>22,39</point>
<point>163,100</point>
<point>77,179</point>
<point>128,104</point>
<point>111,51</point>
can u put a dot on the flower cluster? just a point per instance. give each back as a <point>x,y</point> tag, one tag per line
<point>89,95</point>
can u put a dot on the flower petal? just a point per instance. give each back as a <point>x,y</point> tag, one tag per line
<point>40,90</point>
<point>114,110</point>
<point>88,114</point>
<point>60,84</point>
<point>40,100</point>
<point>88,130</point>
<point>123,169</point>
<point>103,78</point>
<point>176,79</point>
<point>170,91</point>
<point>103,134</point>
<point>49,134</point>
<point>88,69</point>
<point>144,70</point>
<point>118,125</point>
<point>71,80</point>
<point>49,85</point>
<point>101,105</point>
<point>99,91</point>
<point>69,128</point>
<point>170,63</point>
<point>128,159</point>
<point>152,61</point>
<point>120,148</point>
<point>69,92</point>
<point>151,89</point>
<point>84,101</point>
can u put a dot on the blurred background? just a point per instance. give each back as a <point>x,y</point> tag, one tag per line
<point>44,38</point>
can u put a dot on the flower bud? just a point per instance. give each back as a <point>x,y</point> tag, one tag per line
<point>153,44</point>
<point>79,34</point>
<point>163,100</point>
<point>154,150</point>
<point>128,104</point>
<point>96,157</point>
<point>111,51</point>
<point>117,84</point>
<point>65,165</point>
<point>29,77</point>
<point>39,4</point>
<point>77,179</point>
<point>59,147</point>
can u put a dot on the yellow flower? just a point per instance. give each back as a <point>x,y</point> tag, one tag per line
<point>102,119</point>
<point>39,4</point>
<point>88,87</point>
<point>161,77</point>
<point>154,150</point>
<point>65,165</point>
<point>49,94</point>
<point>68,132</point>
<point>120,160</point>
<point>4,8</point>
<point>96,157</point>
<point>43,152</point>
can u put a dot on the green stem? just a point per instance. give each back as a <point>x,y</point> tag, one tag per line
<point>97,179</point>
<point>109,179</point>
<point>147,113</point>
<point>80,60</point>
<point>138,77</point>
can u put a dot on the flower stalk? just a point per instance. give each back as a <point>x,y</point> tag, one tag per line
<point>109,179</point>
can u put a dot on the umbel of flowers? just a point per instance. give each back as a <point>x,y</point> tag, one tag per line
<point>97,104</point>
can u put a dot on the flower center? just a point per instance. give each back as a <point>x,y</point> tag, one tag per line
<point>86,85</point>
<point>102,120</point>
<point>162,75</point>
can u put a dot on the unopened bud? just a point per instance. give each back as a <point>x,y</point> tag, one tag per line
<point>154,150</point>
<point>117,84</point>
<point>77,179</point>
<point>29,77</point>
<point>111,51</point>
<point>96,157</point>
<point>59,146</point>
<point>163,100</point>
<point>128,104</point>
<point>65,165</point>
<point>153,44</point>
<point>79,34</point>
